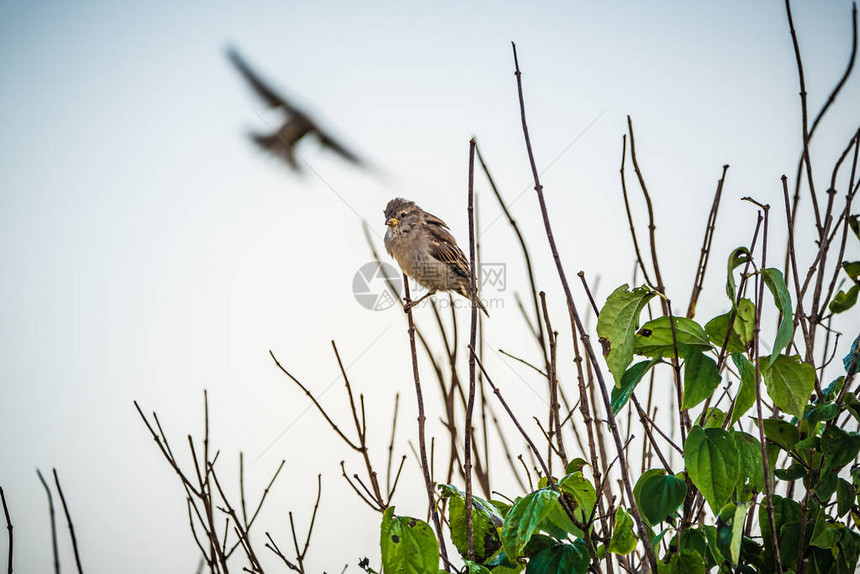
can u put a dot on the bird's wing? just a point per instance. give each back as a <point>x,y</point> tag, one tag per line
<point>444,248</point>
<point>332,144</point>
<point>272,98</point>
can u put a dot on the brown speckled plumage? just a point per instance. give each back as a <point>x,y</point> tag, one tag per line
<point>425,249</point>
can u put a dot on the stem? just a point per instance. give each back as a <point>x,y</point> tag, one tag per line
<point>470,406</point>
<point>768,487</point>
<point>422,443</point>
<point>576,323</point>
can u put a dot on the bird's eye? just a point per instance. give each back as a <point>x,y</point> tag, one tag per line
<point>402,214</point>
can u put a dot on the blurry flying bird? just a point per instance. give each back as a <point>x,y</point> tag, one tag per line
<point>282,142</point>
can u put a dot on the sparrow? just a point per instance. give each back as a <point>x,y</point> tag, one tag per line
<point>425,250</point>
<point>282,142</point>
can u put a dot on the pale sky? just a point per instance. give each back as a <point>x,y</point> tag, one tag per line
<point>149,251</point>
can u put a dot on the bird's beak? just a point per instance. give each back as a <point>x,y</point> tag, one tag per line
<point>392,221</point>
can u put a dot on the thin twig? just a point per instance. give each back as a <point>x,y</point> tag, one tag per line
<point>316,404</point>
<point>8,526</point>
<point>648,424</point>
<point>422,445</point>
<point>629,213</point>
<point>536,453</point>
<point>804,115</point>
<point>470,407</point>
<point>849,196</point>
<point>69,520</point>
<point>526,255</point>
<point>699,281</point>
<point>391,445</point>
<point>360,428</point>
<point>652,227</point>
<point>53,521</point>
<point>524,362</point>
<point>831,98</point>
<point>768,488</point>
<point>369,501</point>
<point>552,336</point>
<point>576,324</point>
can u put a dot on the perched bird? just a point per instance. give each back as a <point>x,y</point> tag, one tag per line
<point>425,250</point>
<point>297,125</point>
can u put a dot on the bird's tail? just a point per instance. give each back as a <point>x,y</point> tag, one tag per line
<point>274,144</point>
<point>266,142</point>
<point>464,291</point>
<point>481,306</point>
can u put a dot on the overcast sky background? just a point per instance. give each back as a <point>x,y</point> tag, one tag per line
<point>149,252</point>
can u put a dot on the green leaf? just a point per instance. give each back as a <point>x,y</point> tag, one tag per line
<point>582,492</point>
<point>558,524</point>
<point>826,487</point>
<point>751,475</point>
<point>690,538</point>
<point>849,546</point>
<point>486,521</point>
<point>581,497</point>
<point>776,283</point>
<point>845,497</point>
<point>852,359</point>
<point>844,300</point>
<point>654,339</point>
<point>712,461</point>
<point>834,388</point>
<point>854,224</point>
<point>714,544</point>
<point>745,398</point>
<point>701,377</point>
<point>716,330</point>
<point>852,269</point>
<point>715,418</point>
<point>737,257</point>
<point>523,519</point>
<point>473,568</point>
<point>785,511</point>
<point>688,561</point>
<point>660,496</point>
<point>617,324</point>
<point>789,383</point>
<point>780,432</point>
<point>824,535</point>
<point>647,475</point>
<point>742,327</point>
<point>794,471</point>
<point>408,545</point>
<point>632,376</point>
<point>852,404</point>
<point>575,465</point>
<point>623,540</point>
<point>537,543</point>
<point>789,542</point>
<point>839,448</point>
<point>560,559</point>
<point>821,413</point>
<point>738,531</point>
